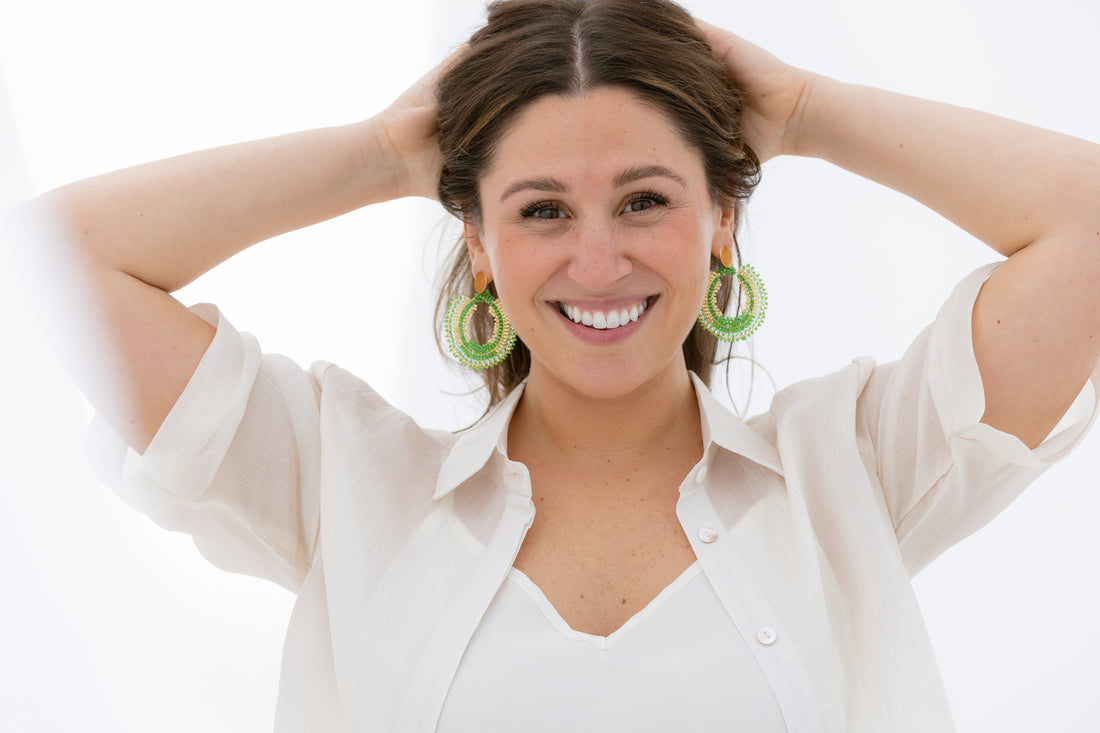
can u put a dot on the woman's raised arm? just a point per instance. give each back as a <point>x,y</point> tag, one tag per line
<point>1030,194</point>
<point>136,235</point>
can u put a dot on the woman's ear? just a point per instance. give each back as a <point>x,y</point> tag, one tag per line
<point>479,258</point>
<point>723,233</point>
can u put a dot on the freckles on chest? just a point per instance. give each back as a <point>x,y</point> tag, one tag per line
<point>600,565</point>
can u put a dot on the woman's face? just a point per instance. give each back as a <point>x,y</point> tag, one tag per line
<point>597,228</point>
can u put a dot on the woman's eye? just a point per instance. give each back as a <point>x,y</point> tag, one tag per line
<point>543,210</point>
<point>644,202</point>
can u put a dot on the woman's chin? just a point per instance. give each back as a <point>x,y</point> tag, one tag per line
<point>603,379</point>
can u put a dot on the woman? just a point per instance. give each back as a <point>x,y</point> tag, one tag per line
<point>794,544</point>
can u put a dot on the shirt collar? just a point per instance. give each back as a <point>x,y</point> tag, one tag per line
<point>474,446</point>
<point>724,429</point>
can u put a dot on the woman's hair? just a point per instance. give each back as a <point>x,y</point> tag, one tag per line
<point>531,48</point>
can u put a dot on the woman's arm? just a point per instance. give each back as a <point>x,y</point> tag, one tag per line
<point>138,234</point>
<point>1030,194</point>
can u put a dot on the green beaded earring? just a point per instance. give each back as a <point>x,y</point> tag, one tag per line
<point>469,353</point>
<point>754,301</point>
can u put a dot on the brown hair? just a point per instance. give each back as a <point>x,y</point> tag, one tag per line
<point>531,48</point>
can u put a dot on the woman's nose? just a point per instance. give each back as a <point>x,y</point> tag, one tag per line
<point>599,259</point>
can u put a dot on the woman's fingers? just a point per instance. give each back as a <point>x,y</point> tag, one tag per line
<point>422,92</point>
<point>775,91</point>
<point>719,39</point>
<point>410,131</point>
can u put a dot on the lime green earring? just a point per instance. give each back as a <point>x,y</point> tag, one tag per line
<point>754,302</point>
<point>469,353</point>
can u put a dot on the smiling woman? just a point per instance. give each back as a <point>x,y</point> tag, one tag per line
<point>631,226</point>
<point>609,533</point>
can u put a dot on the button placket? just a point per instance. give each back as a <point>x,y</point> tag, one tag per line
<point>739,591</point>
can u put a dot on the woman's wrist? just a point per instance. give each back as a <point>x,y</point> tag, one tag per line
<point>400,153</point>
<point>804,134</point>
<point>379,175</point>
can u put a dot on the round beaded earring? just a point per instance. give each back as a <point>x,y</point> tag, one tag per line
<point>460,342</point>
<point>754,301</point>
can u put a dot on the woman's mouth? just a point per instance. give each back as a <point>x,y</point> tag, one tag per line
<point>604,319</point>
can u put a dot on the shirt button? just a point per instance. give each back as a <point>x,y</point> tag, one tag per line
<point>701,474</point>
<point>708,534</point>
<point>766,636</point>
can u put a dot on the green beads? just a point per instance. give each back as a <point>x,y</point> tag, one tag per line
<point>460,342</point>
<point>754,303</point>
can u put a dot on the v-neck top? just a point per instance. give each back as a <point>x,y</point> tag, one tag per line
<point>678,664</point>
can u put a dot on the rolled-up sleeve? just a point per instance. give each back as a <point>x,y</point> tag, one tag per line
<point>235,463</point>
<point>943,472</point>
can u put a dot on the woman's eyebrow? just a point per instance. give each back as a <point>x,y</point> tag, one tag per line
<point>553,185</point>
<point>543,183</point>
<point>646,171</point>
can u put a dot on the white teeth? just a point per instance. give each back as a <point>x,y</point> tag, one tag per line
<point>601,320</point>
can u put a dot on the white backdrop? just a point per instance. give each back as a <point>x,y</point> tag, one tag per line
<point>108,623</point>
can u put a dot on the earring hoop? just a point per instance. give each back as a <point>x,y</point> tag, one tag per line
<point>753,301</point>
<point>460,342</point>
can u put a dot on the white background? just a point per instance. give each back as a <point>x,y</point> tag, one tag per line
<point>108,623</point>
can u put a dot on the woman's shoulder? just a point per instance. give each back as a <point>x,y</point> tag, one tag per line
<point>830,392</point>
<point>349,407</point>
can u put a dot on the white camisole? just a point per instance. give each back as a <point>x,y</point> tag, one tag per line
<point>678,664</point>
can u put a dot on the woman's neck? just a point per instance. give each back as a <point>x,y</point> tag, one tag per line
<point>555,422</point>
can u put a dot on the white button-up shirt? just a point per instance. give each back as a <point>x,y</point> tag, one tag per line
<point>808,521</point>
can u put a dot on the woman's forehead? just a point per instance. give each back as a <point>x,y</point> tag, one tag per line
<point>608,134</point>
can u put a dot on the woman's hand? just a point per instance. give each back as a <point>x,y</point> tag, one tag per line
<point>776,92</point>
<point>408,133</point>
